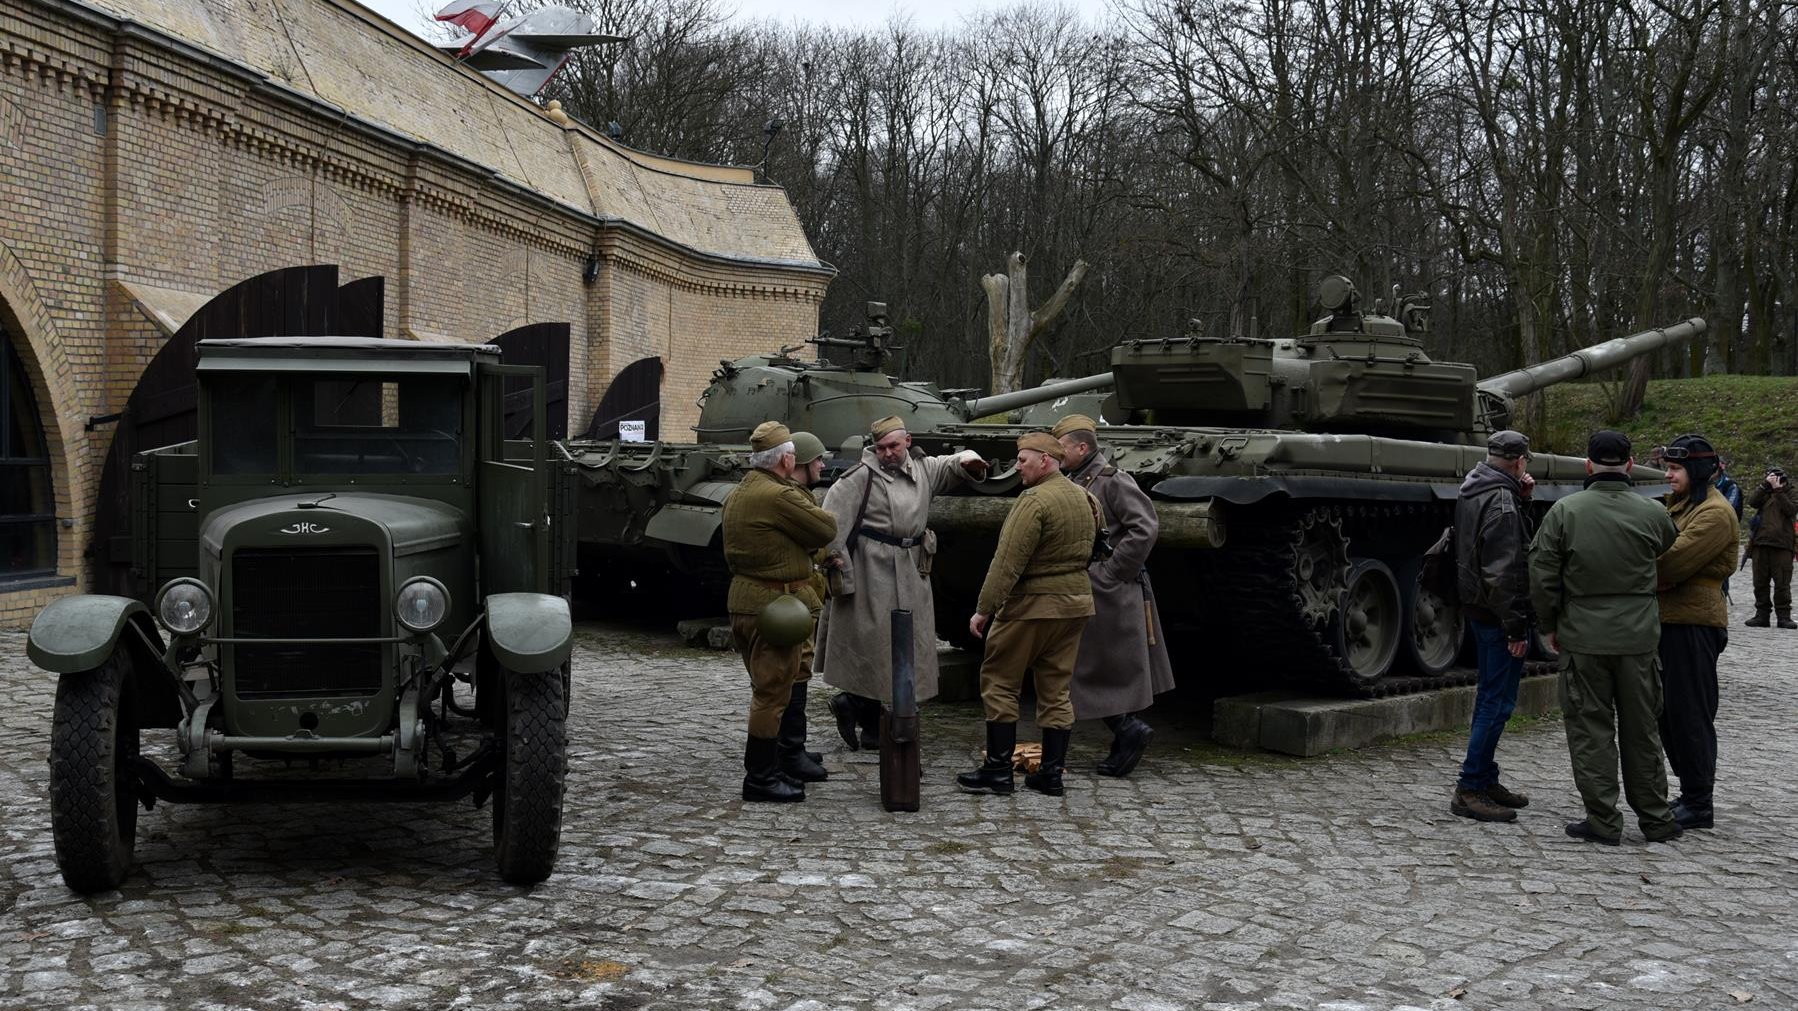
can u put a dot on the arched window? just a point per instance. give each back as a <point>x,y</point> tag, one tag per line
<point>27,504</point>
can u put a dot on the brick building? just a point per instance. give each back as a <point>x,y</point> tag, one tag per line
<point>155,152</point>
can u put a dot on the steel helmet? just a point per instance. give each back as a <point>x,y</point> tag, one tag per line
<point>806,447</point>
<point>786,621</point>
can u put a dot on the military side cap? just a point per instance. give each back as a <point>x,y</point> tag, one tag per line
<point>1608,449</point>
<point>1074,423</point>
<point>806,447</point>
<point>886,426</point>
<point>1042,442</point>
<point>768,435</point>
<point>1508,444</point>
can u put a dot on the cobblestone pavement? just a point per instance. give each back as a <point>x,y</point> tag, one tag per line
<point>1207,880</point>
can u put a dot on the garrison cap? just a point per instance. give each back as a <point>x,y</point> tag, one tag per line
<point>768,435</point>
<point>1074,423</point>
<point>1608,448</point>
<point>1042,442</point>
<point>806,447</point>
<point>886,426</point>
<point>1508,445</point>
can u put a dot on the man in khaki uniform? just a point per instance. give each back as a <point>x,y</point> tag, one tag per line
<point>1033,606</point>
<point>1123,661</point>
<point>882,556</point>
<point>771,528</point>
<point>1592,578</point>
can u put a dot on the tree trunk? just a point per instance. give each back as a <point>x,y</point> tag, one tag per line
<point>1011,328</point>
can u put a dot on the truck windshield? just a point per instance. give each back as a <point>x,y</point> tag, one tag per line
<point>408,424</point>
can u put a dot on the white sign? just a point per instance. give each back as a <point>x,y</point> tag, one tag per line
<point>632,431</point>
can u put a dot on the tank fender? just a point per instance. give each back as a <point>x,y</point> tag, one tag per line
<point>74,634</point>
<point>679,523</point>
<point>529,633</point>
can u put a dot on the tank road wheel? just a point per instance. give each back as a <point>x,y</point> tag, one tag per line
<point>1320,565</point>
<point>1434,630</point>
<point>527,788</point>
<point>1370,622</point>
<point>93,798</point>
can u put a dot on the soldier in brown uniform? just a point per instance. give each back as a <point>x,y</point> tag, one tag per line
<point>772,526</point>
<point>1123,661</point>
<point>1033,606</point>
<point>1775,504</point>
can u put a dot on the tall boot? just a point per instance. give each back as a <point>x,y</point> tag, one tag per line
<point>795,762</point>
<point>1133,738</point>
<point>848,716</point>
<point>762,779</point>
<point>1116,725</point>
<point>1047,779</point>
<point>994,775</point>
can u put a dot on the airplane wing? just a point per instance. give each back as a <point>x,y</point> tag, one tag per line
<point>566,41</point>
<point>491,58</point>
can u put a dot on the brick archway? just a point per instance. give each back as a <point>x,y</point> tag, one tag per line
<point>40,351</point>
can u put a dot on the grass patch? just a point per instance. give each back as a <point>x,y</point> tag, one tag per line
<point>1748,418</point>
<point>948,848</point>
<point>1517,724</point>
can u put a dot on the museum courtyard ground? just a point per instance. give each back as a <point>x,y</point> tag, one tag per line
<point>1210,879</point>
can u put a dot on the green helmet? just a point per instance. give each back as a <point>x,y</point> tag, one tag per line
<point>806,447</point>
<point>786,621</point>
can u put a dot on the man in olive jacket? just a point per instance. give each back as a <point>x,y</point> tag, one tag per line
<point>772,525</point>
<point>1694,622</point>
<point>1033,606</point>
<point>1775,502</point>
<point>1491,535</point>
<point>1592,579</point>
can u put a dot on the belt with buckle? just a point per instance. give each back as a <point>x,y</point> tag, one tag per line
<point>897,542</point>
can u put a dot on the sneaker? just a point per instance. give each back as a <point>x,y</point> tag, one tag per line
<point>1476,805</point>
<point>1584,831</point>
<point>1506,797</point>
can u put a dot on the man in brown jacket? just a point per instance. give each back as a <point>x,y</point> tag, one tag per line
<point>1694,618</point>
<point>1774,503</point>
<point>1123,661</point>
<point>771,528</point>
<point>1033,606</point>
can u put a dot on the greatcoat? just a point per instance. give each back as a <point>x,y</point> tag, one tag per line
<point>1123,661</point>
<point>855,631</point>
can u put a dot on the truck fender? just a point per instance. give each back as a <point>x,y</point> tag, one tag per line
<point>75,634</point>
<point>529,633</point>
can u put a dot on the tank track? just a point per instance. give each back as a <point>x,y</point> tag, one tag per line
<point>1254,581</point>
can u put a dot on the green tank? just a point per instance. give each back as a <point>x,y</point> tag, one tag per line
<point>649,513</point>
<point>1299,482</point>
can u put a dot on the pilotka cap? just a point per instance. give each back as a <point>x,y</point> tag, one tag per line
<point>1074,423</point>
<point>886,426</point>
<point>768,435</point>
<point>1608,448</point>
<point>1042,442</point>
<point>1508,445</point>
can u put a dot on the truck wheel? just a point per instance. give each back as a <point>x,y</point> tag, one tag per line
<point>527,789</point>
<point>93,799</point>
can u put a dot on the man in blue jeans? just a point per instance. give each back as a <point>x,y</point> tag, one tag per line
<point>1492,536</point>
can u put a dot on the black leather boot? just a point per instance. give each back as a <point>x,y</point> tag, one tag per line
<point>1693,810</point>
<point>1133,737</point>
<point>994,775</point>
<point>1116,725</point>
<point>762,779</point>
<point>848,716</point>
<point>1047,779</point>
<point>795,762</point>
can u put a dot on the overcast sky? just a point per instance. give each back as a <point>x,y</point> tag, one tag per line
<point>924,13</point>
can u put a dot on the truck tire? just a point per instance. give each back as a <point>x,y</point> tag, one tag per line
<point>93,799</point>
<point>527,789</point>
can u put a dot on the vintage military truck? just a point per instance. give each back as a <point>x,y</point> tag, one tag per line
<point>351,526</point>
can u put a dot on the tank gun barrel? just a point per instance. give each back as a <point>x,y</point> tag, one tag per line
<point>1003,402</point>
<point>1585,361</point>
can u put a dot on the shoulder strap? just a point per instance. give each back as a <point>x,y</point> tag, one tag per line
<point>855,532</point>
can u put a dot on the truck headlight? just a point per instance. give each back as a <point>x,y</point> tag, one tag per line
<point>422,604</point>
<point>184,606</point>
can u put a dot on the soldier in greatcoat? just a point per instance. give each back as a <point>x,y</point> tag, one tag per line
<point>1123,661</point>
<point>881,560</point>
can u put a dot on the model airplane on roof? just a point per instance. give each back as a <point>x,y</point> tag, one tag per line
<point>524,52</point>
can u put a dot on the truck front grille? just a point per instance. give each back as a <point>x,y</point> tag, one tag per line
<point>306,593</point>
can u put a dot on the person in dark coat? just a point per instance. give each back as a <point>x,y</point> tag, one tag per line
<point>1123,660</point>
<point>1774,502</point>
<point>1492,576</point>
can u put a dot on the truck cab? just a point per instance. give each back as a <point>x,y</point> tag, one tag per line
<point>351,537</point>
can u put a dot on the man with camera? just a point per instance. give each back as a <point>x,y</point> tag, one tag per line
<point>1775,503</point>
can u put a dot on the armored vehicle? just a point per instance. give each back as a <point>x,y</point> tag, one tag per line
<point>1299,482</point>
<point>649,512</point>
<point>350,527</point>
